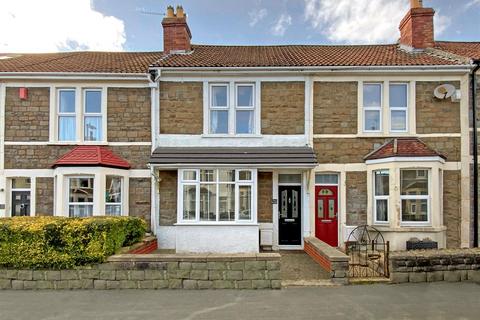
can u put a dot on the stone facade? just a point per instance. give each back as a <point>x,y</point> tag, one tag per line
<point>260,271</point>
<point>128,115</point>
<point>356,184</point>
<point>434,115</point>
<point>450,265</point>
<point>44,196</point>
<point>139,199</point>
<point>181,107</point>
<point>335,106</point>
<point>27,120</point>
<point>283,108</point>
<point>353,150</point>
<point>42,157</point>
<point>265,186</point>
<point>168,198</point>
<point>452,217</point>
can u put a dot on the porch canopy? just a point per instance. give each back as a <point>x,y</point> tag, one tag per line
<point>254,157</point>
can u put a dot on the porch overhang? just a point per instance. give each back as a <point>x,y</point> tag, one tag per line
<point>245,157</point>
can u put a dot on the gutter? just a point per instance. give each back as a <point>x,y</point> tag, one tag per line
<point>75,75</point>
<point>473,76</point>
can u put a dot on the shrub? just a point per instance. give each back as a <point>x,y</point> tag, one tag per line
<point>57,242</point>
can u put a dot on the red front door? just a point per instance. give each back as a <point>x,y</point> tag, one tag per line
<point>326,212</point>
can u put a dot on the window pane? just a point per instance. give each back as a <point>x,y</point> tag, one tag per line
<point>219,121</point>
<point>372,120</point>
<point>398,96</point>
<point>245,202</point>
<point>245,175</point>
<point>113,210</point>
<point>326,179</point>
<point>189,202</point>
<point>67,101</point>
<point>226,175</point>
<point>372,95</point>
<point>208,199</point>
<point>399,120</point>
<point>219,96</point>
<point>93,128</point>
<point>93,101</point>
<point>66,128</point>
<point>245,96</point>
<point>113,190</point>
<point>21,183</point>
<point>189,175</point>
<point>244,122</point>
<point>207,175</point>
<point>289,178</point>
<point>80,210</point>
<point>381,183</point>
<point>81,190</point>
<point>226,202</point>
<point>414,182</point>
<point>382,210</point>
<point>415,210</point>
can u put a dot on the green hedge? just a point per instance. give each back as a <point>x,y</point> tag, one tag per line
<point>56,242</point>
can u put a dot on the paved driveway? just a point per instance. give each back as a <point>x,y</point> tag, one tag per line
<point>410,301</point>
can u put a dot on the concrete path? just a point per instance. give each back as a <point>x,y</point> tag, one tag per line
<point>410,301</point>
<point>297,265</point>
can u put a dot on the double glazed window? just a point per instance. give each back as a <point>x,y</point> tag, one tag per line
<point>113,196</point>
<point>232,111</point>
<point>211,195</point>
<point>374,107</point>
<point>87,117</point>
<point>381,195</point>
<point>80,196</point>
<point>414,195</point>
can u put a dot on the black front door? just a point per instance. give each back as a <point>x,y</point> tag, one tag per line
<point>289,215</point>
<point>20,203</point>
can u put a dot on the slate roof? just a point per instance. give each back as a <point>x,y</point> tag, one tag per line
<point>466,49</point>
<point>403,147</point>
<point>257,156</point>
<point>91,156</point>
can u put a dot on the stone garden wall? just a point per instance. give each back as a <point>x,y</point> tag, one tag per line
<point>152,271</point>
<point>435,265</point>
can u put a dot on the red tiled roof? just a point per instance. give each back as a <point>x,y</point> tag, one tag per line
<point>91,156</point>
<point>405,147</point>
<point>466,49</point>
<point>300,56</point>
<point>87,62</point>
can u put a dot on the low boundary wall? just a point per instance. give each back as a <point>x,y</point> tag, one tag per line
<point>155,271</point>
<point>329,258</point>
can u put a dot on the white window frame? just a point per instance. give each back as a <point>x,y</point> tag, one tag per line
<point>121,193</point>
<point>68,203</point>
<point>416,197</point>
<point>384,197</point>
<point>391,109</point>
<point>375,108</point>
<point>231,107</point>
<point>66,114</point>
<point>252,183</point>
<point>96,114</point>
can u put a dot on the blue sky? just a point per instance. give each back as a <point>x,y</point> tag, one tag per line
<point>64,25</point>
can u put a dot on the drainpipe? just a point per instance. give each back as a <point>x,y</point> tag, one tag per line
<point>475,152</point>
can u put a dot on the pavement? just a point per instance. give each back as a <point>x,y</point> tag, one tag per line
<point>407,301</point>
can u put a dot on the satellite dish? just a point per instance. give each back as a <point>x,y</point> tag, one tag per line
<point>444,91</point>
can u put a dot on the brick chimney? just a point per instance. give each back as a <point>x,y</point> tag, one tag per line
<point>176,33</point>
<point>416,28</point>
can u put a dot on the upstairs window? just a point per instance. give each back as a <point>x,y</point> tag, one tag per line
<point>231,109</point>
<point>67,115</point>
<point>92,115</point>
<point>398,107</point>
<point>372,107</point>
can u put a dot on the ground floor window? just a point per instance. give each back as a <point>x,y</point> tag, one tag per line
<point>113,196</point>
<point>414,195</point>
<point>216,195</point>
<point>381,195</point>
<point>21,197</point>
<point>80,196</point>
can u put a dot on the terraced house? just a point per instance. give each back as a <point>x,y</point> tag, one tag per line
<point>235,148</point>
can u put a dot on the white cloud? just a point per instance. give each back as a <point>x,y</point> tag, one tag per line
<point>472,3</point>
<point>256,16</point>
<point>441,23</point>
<point>57,25</point>
<point>282,24</point>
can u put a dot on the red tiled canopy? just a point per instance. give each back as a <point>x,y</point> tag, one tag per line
<point>91,156</point>
<point>403,147</point>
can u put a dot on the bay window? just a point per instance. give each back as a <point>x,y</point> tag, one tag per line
<point>381,195</point>
<point>113,196</point>
<point>216,195</point>
<point>80,196</point>
<point>414,195</point>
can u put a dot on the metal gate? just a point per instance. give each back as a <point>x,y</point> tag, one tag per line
<point>368,253</point>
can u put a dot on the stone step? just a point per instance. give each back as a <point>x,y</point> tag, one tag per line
<point>309,283</point>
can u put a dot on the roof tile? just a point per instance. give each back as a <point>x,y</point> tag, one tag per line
<point>91,156</point>
<point>403,147</point>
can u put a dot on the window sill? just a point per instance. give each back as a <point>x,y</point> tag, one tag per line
<point>70,143</point>
<point>385,135</point>
<point>410,228</point>
<point>236,136</point>
<point>216,224</point>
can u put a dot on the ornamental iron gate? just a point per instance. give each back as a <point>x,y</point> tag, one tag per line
<point>368,253</point>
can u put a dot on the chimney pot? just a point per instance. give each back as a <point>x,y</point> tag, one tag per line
<point>180,12</point>
<point>416,4</point>
<point>170,13</point>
